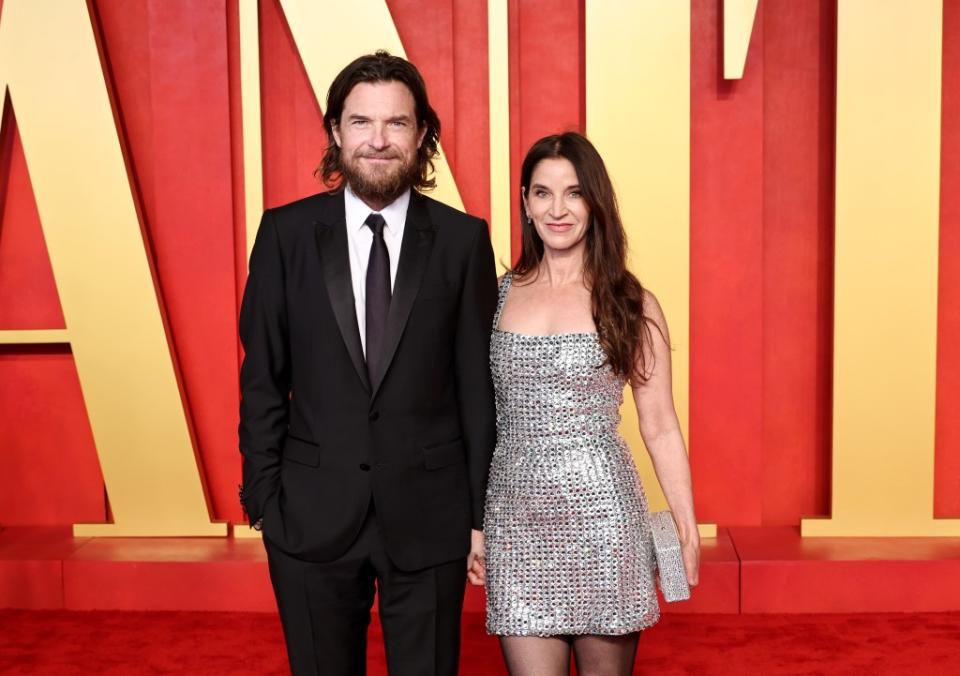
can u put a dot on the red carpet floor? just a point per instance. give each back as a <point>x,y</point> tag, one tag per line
<point>62,643</point>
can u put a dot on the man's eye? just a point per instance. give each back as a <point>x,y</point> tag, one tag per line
<point>575,194</point>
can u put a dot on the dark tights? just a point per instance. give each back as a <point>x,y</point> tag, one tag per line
<point>550,656</point>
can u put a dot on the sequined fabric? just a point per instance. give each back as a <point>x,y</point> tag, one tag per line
<point>568,540</point>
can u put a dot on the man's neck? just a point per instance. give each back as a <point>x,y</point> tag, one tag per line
<point>377,204</point>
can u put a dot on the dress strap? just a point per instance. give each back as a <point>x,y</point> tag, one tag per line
<point>502,297</point>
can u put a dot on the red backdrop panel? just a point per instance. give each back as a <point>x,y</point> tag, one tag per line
<point>726,276</point>
<point>798,150</point>
<point>293,136</point>
<point>547,81</point>
<point>50,472</point>
<point>947,484</point>
<point>28,292</point>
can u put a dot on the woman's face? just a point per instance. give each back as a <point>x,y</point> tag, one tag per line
<point>555,204</point>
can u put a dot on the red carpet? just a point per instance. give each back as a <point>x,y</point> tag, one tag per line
<point>73,642</point>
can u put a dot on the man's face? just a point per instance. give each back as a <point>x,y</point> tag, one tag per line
<point>379,135</point>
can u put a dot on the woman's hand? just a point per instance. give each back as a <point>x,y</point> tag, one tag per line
<point>690,551</point>
<point>476,563</point>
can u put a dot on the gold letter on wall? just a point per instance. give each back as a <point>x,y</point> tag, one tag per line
<point>885,307</point>
<point>642,129</point>
<point>738,19</point>
<point>50,64</point>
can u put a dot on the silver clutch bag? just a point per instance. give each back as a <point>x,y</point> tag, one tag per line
<point>666,546</point>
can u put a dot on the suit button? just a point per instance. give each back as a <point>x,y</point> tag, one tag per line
<point>373,415</point>
<point>365,467</point>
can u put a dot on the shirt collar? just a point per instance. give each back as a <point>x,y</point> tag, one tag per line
<point>394,214</point>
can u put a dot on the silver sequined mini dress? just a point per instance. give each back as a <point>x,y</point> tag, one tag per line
<point>567,534</point>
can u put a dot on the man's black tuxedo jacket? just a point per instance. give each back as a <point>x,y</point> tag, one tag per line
<point>318,436</point>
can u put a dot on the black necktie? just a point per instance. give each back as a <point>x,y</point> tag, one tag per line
<point>378,295</point>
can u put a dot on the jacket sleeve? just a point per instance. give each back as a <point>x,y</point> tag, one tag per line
<point>265,373</point>
<point>472,362</point>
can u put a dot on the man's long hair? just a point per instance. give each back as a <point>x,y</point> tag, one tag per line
<point>380,67</point>
<point>617,298</point>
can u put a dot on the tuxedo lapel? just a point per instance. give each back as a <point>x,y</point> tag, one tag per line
<point>334,253</point>
<point>418,233</point>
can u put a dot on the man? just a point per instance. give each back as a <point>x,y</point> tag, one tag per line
<point>367,420</point>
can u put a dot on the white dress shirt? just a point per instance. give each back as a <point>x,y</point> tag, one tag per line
<point>360,238</point>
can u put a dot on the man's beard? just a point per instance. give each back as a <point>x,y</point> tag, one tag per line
<point>379,184</point>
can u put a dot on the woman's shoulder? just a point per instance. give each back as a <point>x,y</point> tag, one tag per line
<point>652,309</point>
<point>503,283</point>
<point>507,277</point>
<point>650,302</point>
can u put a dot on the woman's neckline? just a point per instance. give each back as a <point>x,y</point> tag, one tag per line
<point>545,335</point>
<point>508,276</point>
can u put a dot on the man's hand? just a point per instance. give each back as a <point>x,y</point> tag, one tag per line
<point>476,563</point>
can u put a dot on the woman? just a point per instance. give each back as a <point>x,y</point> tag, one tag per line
<point>569,555</point>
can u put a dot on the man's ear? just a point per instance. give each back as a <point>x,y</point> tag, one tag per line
<point>335,130</point>
<point>422,135</point>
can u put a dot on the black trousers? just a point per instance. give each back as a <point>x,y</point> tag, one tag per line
<point>325,610</point>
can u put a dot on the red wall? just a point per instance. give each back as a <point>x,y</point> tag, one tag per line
<point>761,233</point>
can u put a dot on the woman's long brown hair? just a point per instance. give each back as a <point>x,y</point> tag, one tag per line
<point>617,298</point>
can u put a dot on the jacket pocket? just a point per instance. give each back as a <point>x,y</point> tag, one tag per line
<point>442,455</point>
<point>301,451</point>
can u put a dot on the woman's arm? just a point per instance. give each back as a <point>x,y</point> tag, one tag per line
<point>660,430</point>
